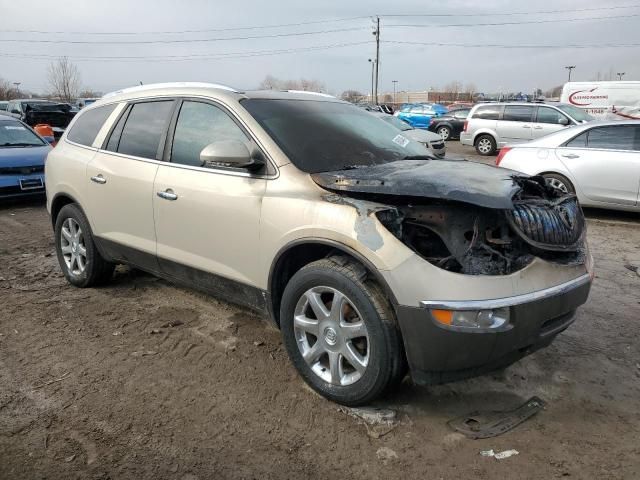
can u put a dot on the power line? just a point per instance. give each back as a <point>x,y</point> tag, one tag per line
<point>493,45</point>
<point>182,40</point>
<point>502,14</point>
<point>523,22</point>
<point>317,22</point>
<point>171,58</point>
<point>182,32</point>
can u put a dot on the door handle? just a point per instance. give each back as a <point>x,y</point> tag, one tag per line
<point>538,128</point>
<point>99,179</point>
<point>571,155</point>
<point>526,126</point>
<point>168,195</point>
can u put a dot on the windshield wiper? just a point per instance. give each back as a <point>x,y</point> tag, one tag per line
<point>18,144</point>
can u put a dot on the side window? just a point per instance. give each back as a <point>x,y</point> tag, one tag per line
<point>488,112</point>
<point>114,139</point>
<point>416,109</point>
<point>144,129</point>
<point>549,115</point>
<point>461,114</point>
<point>578,142</point>
<point>518,113</point>
<point>198,125</point>
<point>615,137</point>
<point>88,124</point>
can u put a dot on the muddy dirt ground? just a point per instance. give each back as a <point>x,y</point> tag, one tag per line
<point>95,384</point>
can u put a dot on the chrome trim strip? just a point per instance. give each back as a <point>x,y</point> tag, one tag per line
<point>507,301</point>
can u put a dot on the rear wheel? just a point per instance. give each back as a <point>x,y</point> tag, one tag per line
<point>340,332</point>
<point>486,145</point>
<point>77,254</point>
<point>444,132</point>
<point>560,182</point>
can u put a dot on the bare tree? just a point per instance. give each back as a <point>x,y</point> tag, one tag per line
<point>353,96</point>
<point>470,89</point>
<point>453,88</point>
<point>88,93</point>
<point>272,83</point>
<point>64,79</point>
<point>6,89</point>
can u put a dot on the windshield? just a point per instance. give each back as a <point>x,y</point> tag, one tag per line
<point>398,123</point>
<point>14,134</point>
<point>321,136</point>
<point>576,113</point>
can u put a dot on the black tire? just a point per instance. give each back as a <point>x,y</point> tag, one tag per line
<point>557,180</point>
<point>387,364</point>
<point>444,132</point>
<point>486,145</point>
<point>97,270</point>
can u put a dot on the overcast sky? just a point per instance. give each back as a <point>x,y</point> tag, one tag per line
<point>416,67</point>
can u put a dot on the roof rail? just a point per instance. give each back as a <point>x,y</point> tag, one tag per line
<point>153,86</point>
<point>311,93</point>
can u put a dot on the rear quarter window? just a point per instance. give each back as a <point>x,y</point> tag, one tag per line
<point>488,112</point>
<point>88,124</point>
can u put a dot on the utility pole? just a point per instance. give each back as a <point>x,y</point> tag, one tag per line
<point>394,92</point>
<point>620,75</point>
<point>570,67</point>
<point>377,34</point>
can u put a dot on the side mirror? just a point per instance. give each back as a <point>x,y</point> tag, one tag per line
<point>563,121</point>
<point>229,153</point>
<point>15,110</point>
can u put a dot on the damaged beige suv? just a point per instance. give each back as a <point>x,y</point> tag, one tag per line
<point>367,253</point>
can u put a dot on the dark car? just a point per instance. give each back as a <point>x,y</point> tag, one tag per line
<point>450,124</point>
<point>22,156</point>
<point>34,111</point>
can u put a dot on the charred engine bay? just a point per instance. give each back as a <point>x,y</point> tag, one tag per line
<point>476,240</point>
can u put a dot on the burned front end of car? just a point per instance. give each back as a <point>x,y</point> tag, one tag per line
<point>464,238</point>
<point>500,261</point>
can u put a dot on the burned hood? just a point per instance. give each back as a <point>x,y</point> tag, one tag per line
<point>462,181</point>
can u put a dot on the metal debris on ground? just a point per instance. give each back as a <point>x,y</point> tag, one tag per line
<point>378,421</point>
<point>491,424</point>
<point>499,455</point>
<point>172,323</point>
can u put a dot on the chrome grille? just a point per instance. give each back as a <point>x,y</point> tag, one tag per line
<point>557,226</point>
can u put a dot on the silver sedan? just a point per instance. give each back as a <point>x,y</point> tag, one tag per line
<point>598,161</point>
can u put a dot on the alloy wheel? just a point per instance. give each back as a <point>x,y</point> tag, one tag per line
<point>74,250</point>
<point>444,133</point>
<point>556,183</point>
<point>331,336</point>
<point>484,145</point>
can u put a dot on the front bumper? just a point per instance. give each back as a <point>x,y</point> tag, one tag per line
<point>21,185</point>
<point>438,354</point>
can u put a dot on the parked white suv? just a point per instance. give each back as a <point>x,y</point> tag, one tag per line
<point>364,250</point>
<point>491,126</point>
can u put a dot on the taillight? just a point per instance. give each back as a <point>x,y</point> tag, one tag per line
<point>503,152</point>
<point>466,124</point>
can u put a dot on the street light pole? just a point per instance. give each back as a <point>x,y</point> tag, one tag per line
<point>373,69</point>
<point>394,92</point>
<point>570,67</point>
<point>620,75</point>
<point>377,64</point>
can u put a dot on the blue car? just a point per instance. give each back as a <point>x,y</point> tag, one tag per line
<point>419,115</point>
<point>22,156</point>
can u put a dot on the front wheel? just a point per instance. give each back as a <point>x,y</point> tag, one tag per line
<point>340,332</point>
<point>77,254</point>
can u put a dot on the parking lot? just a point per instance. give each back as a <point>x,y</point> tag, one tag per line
<point>142,379</point>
